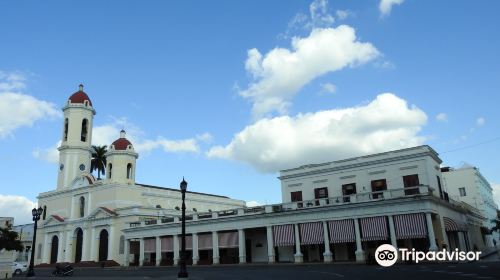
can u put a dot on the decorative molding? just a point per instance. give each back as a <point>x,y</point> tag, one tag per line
<point>294,185</point>
<point>320,181</point>
<point>408,167</point>
<point>376,172</point>
<point>348,177</point>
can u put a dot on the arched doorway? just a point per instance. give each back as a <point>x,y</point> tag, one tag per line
<point>54,248</point>
<point>103,245</point>
<point>78,245</point>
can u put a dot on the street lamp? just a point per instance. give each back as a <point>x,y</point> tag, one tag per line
<point>183,271</point>
<point>36,216</point>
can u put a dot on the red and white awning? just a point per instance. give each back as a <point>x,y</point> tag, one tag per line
<point>228,239</point>
<point>453,225</point>
<point>205,241</point>
<point>311,233</point>
<point>167,244</point>
<point>374,228</point>
<point>189,242</point>
<point>283,235</point>
<point>410,226</point>
<point>149,245</point>
<point>342,231</point>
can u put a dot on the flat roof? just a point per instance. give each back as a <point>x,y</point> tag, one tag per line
<point>177,190</point>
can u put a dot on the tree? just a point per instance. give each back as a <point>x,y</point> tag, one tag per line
<point>9,240</point>
<point>98,161</point>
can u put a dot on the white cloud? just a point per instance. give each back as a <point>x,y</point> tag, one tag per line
<point>320,17</point>
<point>18,207</point>
<point>480,121</point>
<point>496,193</point>
<point>328,88</point>
<point>18,109</point>
<point>385,6</point>
<point>281,73</point>
<point>50,155</point>
<point>253,203</point>
<point>273,144</point>
<point>343,14</point>
<point>442,117</point>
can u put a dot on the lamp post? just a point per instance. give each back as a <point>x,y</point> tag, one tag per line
<point>183,271</point>
<point>36,216</point>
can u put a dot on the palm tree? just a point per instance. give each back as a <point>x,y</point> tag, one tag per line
<point>98,161</point>
<point>9,240</point>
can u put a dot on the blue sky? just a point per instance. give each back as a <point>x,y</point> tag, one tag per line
<point>226,93</point>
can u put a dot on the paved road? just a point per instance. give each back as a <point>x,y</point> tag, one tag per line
<point>480,270</point>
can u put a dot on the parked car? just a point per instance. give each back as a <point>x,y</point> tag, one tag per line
<point>19,268</point>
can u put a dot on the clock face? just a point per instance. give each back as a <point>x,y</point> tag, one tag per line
<point>61,167</point>
<point>82,167</point>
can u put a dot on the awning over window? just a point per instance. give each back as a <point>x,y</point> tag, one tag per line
<point>453,225</point>
<point>149,245</point>
<point>283,235</point>
<point>410,226</point>
<point>167,244</point>
<point>189,242</point>
<point>342,231</point>
<point>311,233</point>
<point>205,241</point>
<point>228,239</point>
<point>374,228</point>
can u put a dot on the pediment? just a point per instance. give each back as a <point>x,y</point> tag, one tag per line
<point>102,212</point>
<point>54,220</point>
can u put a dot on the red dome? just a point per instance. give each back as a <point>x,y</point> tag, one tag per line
<point>80,96</point>
<point>121,144</point>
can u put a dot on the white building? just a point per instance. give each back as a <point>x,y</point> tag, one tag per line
<point>467,184</point>
<point>83,217</point>
<point>25,235</point>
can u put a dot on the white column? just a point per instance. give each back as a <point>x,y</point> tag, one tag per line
<point>461,241</point>
<point>141,252</point>
<point>360,254</point>
<point>93,245</point>
<point>69,246</point>
<point>241,246</point>
<point>46,249</point>
<point>60,248</point>
<point>270,244</point>
<point>176,249</point>
<point>126,253</point>
<point>215,247</point>
<point>430,232</point>
<point>196,256</point>
<point>158,251</point>
<point>299,258</point>
<point>445,236</point>
<point>111,241</point>
<point>86,245</point>
<point>392,232</point>
<point>327,255</point>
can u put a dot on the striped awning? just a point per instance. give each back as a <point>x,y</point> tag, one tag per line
<point>410,226</point>
<point>452,225</point>
<point>228,239</point>
<point>205,241</point>
<point>283,235</point>
<point>189,242</point>
<point>342,231</point>
<point>149,245</point>
<point>374,228</point>
<point>167,244</point>
<point>311,233</point>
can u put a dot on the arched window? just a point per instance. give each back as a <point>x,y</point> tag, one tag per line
<point>82,206</point>
<point>65,137</point>
<point>129,171</point>
<point>110,168</point>
<point>121,249</point>
<point>84,130</point>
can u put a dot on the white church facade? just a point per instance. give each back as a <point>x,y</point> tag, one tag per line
<point>330,212</point>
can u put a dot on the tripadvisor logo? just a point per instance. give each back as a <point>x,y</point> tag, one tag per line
<point>387,255</point>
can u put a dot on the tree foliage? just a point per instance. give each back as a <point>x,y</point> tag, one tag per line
<point>98,161</point>
<point>9,240</point>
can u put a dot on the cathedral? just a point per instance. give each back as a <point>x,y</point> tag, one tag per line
<point>83,217</point>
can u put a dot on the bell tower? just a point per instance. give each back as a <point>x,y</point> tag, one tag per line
<point>76,149</point>
<point>121,159</point>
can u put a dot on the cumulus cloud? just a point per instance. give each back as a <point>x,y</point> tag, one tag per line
<point>385,6</point>
<point>107,133</point>
<point>442,117</point>
<point>281,73</point>
<point>328,88</point>
<point>18,109</point>
<point>18,207</point>
<point>480,121</point>
<point>273,144</point>
<point>320,17</point>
